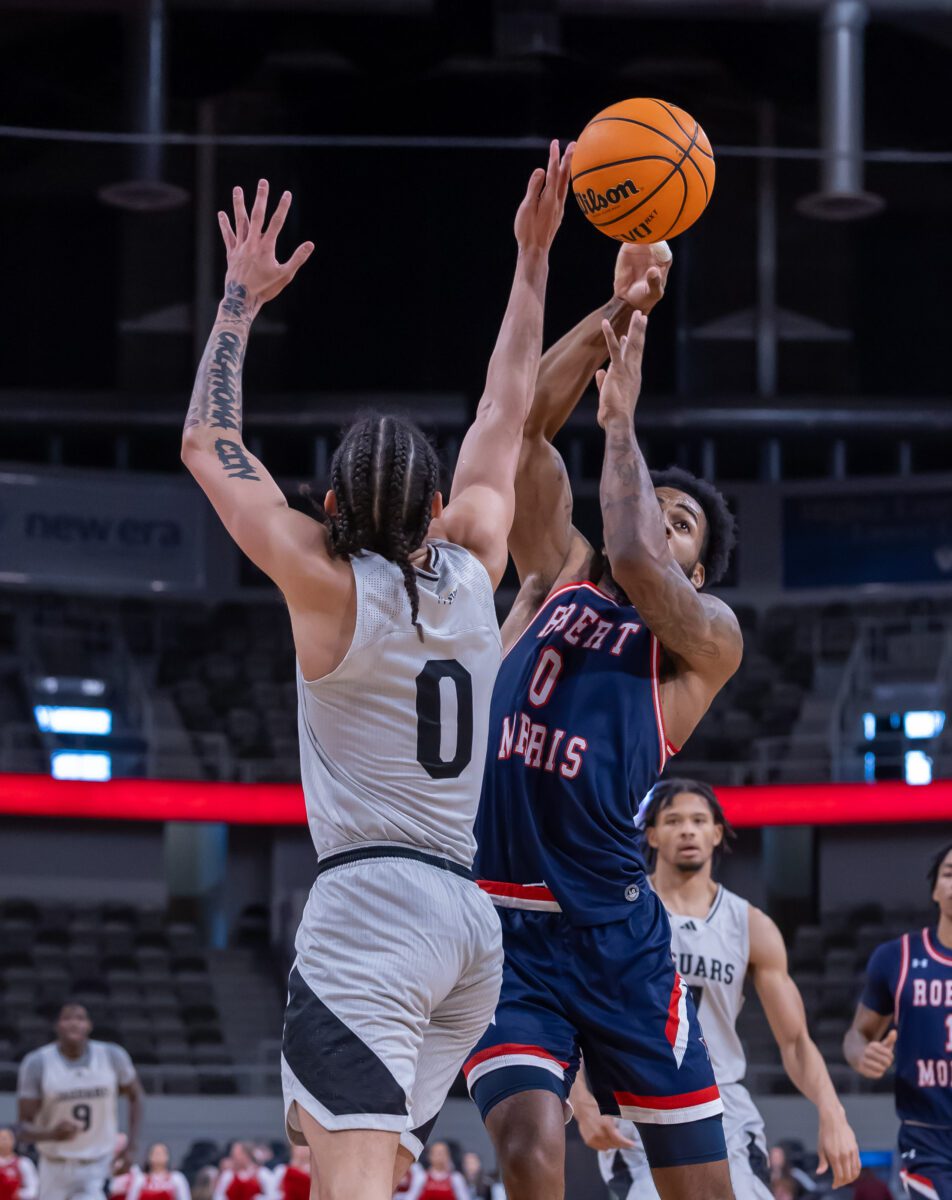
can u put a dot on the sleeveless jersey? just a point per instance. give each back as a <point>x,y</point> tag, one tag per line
<point>86,1094</point>
<point>576,741</point>
<point>393,741</point>
<point>911,978</point>
<point>711,954</point>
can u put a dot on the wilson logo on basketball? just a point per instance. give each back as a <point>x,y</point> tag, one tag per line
<point>593,202</point>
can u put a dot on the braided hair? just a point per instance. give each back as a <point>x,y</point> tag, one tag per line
<point>384,475</point>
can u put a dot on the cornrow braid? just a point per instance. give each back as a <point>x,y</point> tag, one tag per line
<point>384,475</point>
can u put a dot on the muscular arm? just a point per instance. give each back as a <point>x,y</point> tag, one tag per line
<point>698,632</point>
<point>542,534</point>
<point>288,546</point>
<point>134,1094</point>
<point>802,1060</point>
<point>479,514</point>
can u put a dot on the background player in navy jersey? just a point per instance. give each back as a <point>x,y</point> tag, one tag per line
<point>905,1015</point>
<point>599,687</point>
<point>718,939</point>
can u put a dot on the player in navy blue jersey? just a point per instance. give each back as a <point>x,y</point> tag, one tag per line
<point>613,658</point>
<point>905,1015</point>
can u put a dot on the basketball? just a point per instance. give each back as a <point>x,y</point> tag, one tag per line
<point>643,171</point>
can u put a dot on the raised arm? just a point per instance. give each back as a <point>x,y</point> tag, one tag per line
<point>698,632</point>
<point>542,535</point>
<point>288,546</point>
<point>783,1005</point>
<point>479,514</point>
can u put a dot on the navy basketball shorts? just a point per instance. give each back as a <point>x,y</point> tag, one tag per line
<point>609,994</point>
<point>926,1162</point>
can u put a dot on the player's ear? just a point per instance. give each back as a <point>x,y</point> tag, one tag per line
<point>330,504</point>
<point>698,575</point>
<point>436,508</point>
<point>651,837</point>
<point>718,835</point>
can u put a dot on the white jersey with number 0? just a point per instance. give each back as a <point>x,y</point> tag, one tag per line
<point>393,741</point>
<point>85,1093</point>
<point>711,954</point>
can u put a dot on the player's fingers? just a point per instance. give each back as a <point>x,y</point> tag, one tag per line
<point>241,214</point>
<point>552,167</point>
<point>227,233</point>
<point>614,349</point>
<point>655,285</point>
<point>661,253</point>
<point>600,377</point>
<point>620,1142</point>
<point>276,224</point>
<point>298,259</point>
<point>890,1039</point>
<point>565,171</point>
<point>536,180</point>
<point>260,206</point>
<point>637,327</point>
<point>822,1165</point>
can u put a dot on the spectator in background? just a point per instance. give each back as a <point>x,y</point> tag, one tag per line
<point>481,1187</point>
<point>18,1180</point>
<point>785,1188</point>
<point>159,1183</point>
<point>870,1187</point>
<point>123,1172</point>
<point>204,1186</point>
<point>292,1181</point>
<point>440,1180</point>
<point>408,1184</point>
<point>243,1179</point>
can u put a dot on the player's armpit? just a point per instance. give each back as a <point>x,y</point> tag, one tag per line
<point>537,587</point>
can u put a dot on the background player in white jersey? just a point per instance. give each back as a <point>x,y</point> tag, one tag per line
<point>717,939</point>
<point>391,604</point>
<point>68,1104</point>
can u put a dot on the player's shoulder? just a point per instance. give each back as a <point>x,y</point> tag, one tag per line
<point>34,1057</point>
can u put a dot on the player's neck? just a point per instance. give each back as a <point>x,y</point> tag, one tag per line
<point>687,894</point>
<point>944,931</point>
<point>71,1050</point>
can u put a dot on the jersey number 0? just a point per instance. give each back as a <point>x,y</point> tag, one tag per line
<point>430,718</point>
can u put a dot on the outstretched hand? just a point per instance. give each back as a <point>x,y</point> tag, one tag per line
<point>540,213</point>
<point>641,273</point>
<point>620,386</point>
<point>252,261</point>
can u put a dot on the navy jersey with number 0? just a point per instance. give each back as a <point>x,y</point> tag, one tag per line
<point>576,740</point>
<point>911,979</point>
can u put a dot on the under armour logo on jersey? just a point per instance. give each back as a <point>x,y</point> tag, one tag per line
<point>919,962</point>
<point>449,596</point>
<point>690,925</point>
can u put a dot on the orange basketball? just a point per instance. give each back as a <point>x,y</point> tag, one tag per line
<point>643,171</point>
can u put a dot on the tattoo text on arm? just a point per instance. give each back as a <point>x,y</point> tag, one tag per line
<point>234,460</point>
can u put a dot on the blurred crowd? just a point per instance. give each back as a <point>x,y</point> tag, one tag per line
<point>274,1171</point>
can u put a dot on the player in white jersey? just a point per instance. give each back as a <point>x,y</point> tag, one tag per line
<point>717,939</point>
<point>391,602</point>
<point>67,1095</point>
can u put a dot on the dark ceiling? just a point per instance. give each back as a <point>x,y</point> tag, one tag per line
<point>414,245</point>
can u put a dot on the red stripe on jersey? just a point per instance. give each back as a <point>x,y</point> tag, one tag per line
<point>510,1048</point>
<point>519,891</point>
<point>566,587</point>
<point>685,1100</point>
<point>903,972</point>
<point>674,1019</point>
<point>933,952</point>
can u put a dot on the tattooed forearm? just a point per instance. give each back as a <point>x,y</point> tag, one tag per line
<point>216,396</point>
<point>236,306</point>
<point>224,381</point>
<point>698,629</point>
<point>235,461</point>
